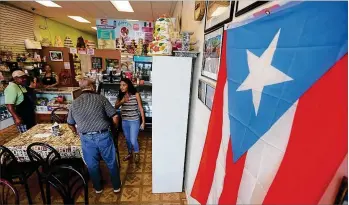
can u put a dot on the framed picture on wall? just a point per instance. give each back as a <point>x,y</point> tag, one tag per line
<point>243,7</point>
<point>209,96</point>
<point>212,53</point>
<point>202,91</point>
<point>56,55</point>
<point>218,13</point>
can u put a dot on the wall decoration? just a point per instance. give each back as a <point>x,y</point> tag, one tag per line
<point>246,6</point>
<point>199,11</point>
<point>202,91</point>
<point>212,53</point>
<point>56,55</point>
<point>218,13</point>
<point>110,30</point>
<point>209,96</point>
<point>342,195</point>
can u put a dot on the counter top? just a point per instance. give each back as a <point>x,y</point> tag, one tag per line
<point>66,90</point>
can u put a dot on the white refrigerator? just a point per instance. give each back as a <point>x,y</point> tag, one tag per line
<point>171,79</point>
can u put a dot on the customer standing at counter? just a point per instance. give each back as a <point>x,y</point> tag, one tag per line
<point>91,113</point>
<point>48,78</point>
<point>131,107</point>
<point>19,103</point>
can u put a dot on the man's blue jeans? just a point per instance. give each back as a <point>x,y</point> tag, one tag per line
<point>94,146</point>
<point>131,130</point>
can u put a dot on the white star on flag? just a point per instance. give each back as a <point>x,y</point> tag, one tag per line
<point>262,73</point>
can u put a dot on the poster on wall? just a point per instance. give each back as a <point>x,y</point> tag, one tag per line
<point>111,30</point>
<point>243,7</point>
<point>105,34</point>
<point>218,13</point>
<point>212,53</point>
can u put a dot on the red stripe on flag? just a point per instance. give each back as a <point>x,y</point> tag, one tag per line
<point>232,177</point>
<point>318,141</point>
<point>204,177</point>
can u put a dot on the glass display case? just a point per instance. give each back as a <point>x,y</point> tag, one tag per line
<point>6,119</point>
<point>49,99</point>
<point>111,91</point>
<point>143,67</point>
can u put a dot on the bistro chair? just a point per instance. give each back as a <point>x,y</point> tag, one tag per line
<point>8,193</point>
<point>46,157</point>
<point>59,117</point>
<point>14,171</point>
<point>68,182</point>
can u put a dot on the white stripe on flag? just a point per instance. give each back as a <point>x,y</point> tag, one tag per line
<point>264,158</point>
<point>219,175</point>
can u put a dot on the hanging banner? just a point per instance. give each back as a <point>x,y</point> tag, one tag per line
<point>110,31</point>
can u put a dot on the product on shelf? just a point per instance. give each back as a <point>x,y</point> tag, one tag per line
<point>58,41</point>
<point>162,43</point>
<point>68,42</point>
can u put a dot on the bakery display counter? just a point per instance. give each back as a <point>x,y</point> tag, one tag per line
<point>51,98</point>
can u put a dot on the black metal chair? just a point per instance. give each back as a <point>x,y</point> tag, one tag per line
<point>44,162</point>
<point>7,193</point>
<point>14,171</point>
<point>68,182</point>
<point>59,118</point>
<point>49,159</point>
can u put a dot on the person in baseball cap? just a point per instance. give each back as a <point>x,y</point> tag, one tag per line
<point>18,103</point>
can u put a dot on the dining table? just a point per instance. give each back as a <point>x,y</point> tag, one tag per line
<point>66,143</point>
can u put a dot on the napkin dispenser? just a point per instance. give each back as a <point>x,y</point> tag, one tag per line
<point>55,129</point>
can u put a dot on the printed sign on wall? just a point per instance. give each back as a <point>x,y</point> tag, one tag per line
<point>111,30</point>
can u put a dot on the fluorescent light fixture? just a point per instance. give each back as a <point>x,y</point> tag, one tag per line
<point>131,20</point>
<point>219,11</point>
<point>123,6</point>
<point>94,27</point>
<point>79,19</point>
<point>49,4</point>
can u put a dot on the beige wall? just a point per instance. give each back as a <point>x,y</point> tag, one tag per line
<point>199,113</point>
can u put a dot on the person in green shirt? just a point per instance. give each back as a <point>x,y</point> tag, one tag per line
<point>18,103</point>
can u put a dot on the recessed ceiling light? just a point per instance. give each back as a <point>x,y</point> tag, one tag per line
<point>49,4</point>
<point>79,19</point>
<point>123,6</point>
<point>94,27</point>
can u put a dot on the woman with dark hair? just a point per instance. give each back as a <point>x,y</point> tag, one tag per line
<point>48,78</point>
<point>131,107</point>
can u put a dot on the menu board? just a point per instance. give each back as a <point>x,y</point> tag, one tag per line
<point>109,31</point>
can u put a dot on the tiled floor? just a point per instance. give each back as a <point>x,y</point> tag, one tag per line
<point>136,179</point>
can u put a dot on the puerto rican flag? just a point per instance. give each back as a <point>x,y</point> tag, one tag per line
<point>278,126</point>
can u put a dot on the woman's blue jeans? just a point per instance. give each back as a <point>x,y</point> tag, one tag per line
<point>96,145</point>
<point>131,130</point>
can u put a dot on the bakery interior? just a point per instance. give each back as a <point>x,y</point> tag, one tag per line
<point>201,139</point>
<point>105,42</point>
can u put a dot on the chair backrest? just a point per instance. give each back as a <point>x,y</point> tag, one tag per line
<point>59,115</point>
<point>68,182</point>
<point>43,154</point>
<point>8,193</point>
<point>7,158</point>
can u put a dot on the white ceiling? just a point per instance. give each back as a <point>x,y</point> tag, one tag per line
<point>92,10</point>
